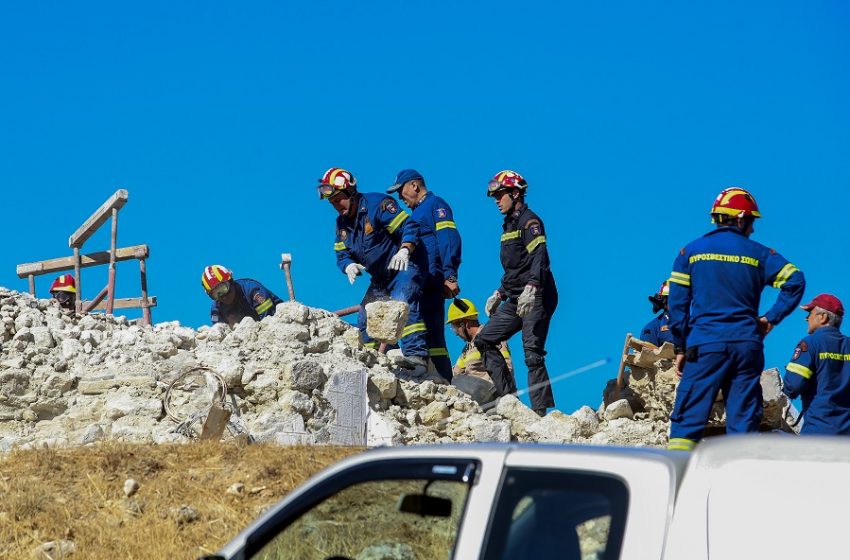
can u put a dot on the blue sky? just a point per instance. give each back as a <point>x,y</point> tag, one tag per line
<point>626,119</point>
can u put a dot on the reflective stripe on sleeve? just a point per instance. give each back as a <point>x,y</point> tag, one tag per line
<point>445,224</point>
<point>438,352</point>
<point>339,246</point>
<point>800,370</point>
<point>511,235</point>
<point>680,278</point>
<point>784,275</point>
<point>397,221</point>
<point>263,307</point>
<point>535,242</point>
<point>413,328</point>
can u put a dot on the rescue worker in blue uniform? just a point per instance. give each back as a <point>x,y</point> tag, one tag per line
<point>715,290</point>
<point>657,331</point>
<point>526,298</point>
<point>235,299</point>
<point>819,371</point>
<point>441,241</point>
<point>375,235</point>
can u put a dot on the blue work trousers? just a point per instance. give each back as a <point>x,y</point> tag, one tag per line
<point>406,286</point>
<point>434,314</point>
<point>733,367</point>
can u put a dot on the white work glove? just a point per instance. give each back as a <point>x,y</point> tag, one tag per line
<point>353,271</point>
<point>492,303</point>
<point>399,260</point>
<point>525,301</point>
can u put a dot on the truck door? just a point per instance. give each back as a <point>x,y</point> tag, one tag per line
<point>406,508</point>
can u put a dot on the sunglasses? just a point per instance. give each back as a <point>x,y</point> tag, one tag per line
<point>220,291</point>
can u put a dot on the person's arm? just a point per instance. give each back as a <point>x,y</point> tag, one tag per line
<point>800,371</point>
<point>343,253</point>
<point>262,300</point>
<point>448,240</point>
<point>679,304</point>
<point>534,239</point>
<point>789,280</point>
<point>398,223</point>
<point>215,314</point>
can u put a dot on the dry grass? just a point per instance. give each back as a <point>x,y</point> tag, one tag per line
<point>77,494</point>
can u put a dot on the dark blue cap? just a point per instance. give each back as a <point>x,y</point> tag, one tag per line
<point>404,176</point>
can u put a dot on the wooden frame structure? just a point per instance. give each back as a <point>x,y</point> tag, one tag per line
<point>78,261</point>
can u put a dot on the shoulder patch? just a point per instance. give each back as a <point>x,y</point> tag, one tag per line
<point>389,205</point>
<point>343,234</point>
<point>259,297</point>
<point>441,213</point>
<point>801,347</point>
<point>368,227</point>
<point>682,252</point>
<point>773,251</point>
<point>665,328</point>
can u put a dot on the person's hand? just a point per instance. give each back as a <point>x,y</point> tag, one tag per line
<point>492,303</point>
<point>764,326</point>
<point>525,301</point>
<point>399,260</point>
<point>450,289</point>
<point>353,271</point>
<point>680,364</point>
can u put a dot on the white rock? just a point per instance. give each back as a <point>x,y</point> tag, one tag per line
<point>54,550</point>
<point>385,320</point>
<point>434,412</point>
<point>128,405</point>
<point>131,486</point>
<point>618,409</point>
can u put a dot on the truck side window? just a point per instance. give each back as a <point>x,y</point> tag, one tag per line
<point>547,514</point>
<point>409,518</point>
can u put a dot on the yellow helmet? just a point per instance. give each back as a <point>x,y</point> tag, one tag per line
<point>456,313</point>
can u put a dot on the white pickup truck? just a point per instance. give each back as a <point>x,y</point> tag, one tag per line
<point>746,497</point>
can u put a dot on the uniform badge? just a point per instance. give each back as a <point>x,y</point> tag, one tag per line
<point>534,228</point>
<point>389,205</point>
<point>343,234</point>
<point>368,227</point>
<point>259,298</point>
<point>441,213</point>
<point>802,347</point>
<point>665,328</point>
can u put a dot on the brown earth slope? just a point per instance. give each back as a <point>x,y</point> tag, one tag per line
<point>188,502</point>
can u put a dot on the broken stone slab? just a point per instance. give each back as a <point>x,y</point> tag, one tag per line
<point>347,394</point>
<point>513,409</point>
<point>283,429</point>
<point>383,385</point>
<point>382,430</point>
<point>588,422</point>
<point>554,427</point>
<point>385,320</point>
<point>304,375</point>
<point>54,550</point>
<point>103,383</point>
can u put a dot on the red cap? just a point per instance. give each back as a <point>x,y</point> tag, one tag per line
<point>826,301</point>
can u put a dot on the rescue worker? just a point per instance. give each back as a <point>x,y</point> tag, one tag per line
<point>527,296</point>
<point>235,299</point>
<point>819,371</point>
<point>657,331</point>
<point>375,235</point>
<point>64,290</point>
<point>465,324</point>
<point>441,242</point>
<point>715,289</point>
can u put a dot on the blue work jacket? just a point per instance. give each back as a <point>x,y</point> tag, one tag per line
<point>819,373</point>
<point>657,331</point>
<point>252,300</point>
<point>716,286</point>
<point>374,234</point>
<point>440,236</point>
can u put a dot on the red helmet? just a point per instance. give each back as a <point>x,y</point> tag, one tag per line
<point>506,179</point>
<point>336,179</point>
<point>64,283</point>
<point>215,275</point>
<point>737,203</point>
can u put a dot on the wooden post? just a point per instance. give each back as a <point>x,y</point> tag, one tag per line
<point>146,310</point>
<point>32,285</point>
<point>286,265</point>
<point>97,299</point>
<point>110,301</point>
<point>79,305</point>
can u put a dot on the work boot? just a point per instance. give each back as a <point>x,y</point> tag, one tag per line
<point>417,364</point>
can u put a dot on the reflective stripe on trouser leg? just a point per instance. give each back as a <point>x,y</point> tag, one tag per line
<point>503,324</point>
<point>697,390</point>
<point>406,286</point>
<point>434,315</point>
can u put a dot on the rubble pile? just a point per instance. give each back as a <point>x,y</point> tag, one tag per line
<point>67,381</point>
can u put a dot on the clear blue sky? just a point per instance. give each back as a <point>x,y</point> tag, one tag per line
<point>626,119</point>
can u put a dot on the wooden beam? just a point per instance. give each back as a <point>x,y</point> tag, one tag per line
<point>124,303</point>
<point>92,259</point>
<point>116,201</point>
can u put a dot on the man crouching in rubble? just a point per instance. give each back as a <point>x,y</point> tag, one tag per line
<point>64,290</point>
<point>470,375</point>
<point>235,299</point>
<point>375,235</point>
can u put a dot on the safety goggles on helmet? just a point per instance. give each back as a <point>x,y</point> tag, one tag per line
<point>496,189</point>
<point>62,296</point>
<point>326,191</point>
<point>220,290</point>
